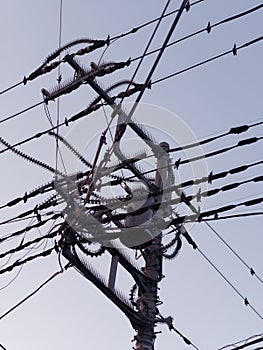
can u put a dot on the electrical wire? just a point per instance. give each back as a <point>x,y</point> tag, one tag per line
<point>179,162</point>
<point>233,51</point>
<point>245,300</point>
<point>154,66</point>
<point>80,41</point>
<point>67,266</point>
<point>245,341</point>
<point>251,270</point>
<point>21,112</point>
<point>59,78</point>
<point>22,262</point>
<point>147,46</point>
<point>207,29</point>
<point>136,29</point>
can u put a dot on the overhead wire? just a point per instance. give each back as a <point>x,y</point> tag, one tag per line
<point>245,341</point>
<point>207,29</point>
<point>136,29</point>
<point>233,51</point>
<point>154,66</point>
<point>35,291</point>
<point>245,299</point>
<point>179,162</point>
<point>59,78</point>
<point>21,112</point>
<point>148,45</point>
<point>111,39</point>
<point>20,262</point>
<point>251,270</point>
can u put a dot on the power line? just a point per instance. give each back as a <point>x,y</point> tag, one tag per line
<point>233,51</point>
<point>136,29</point>
<point>245,300</point>
<point>35,291</point>
<point>245,341</point>
<point>84,40</point>
<point>148,45</point>
<point>21,112</point>
<point>155,64</point>
<point>207,29</point>
<point>22,262</point>
<point>251,270</point>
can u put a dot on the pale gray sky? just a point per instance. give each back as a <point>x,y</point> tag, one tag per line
<point>70,312</point>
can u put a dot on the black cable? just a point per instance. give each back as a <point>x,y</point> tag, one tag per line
<point>35,291</point>
<point>245,341</point>
<point>233,51</point>
<point>22,262</point>
<point>154,66</point>
<point>91,108</point>
<point>147,46</point>
<point>179,162</point>
<point>252,271</point>
<point>21,112</point>
<point>233,131</point>
<point>206,29</point>
<point>234,216</point>
<point>245,300</point>
<point>81,41</point>
<point>28,228</point>
<point>11,87</point>
<point>29,243</point>
<point>136,29</point>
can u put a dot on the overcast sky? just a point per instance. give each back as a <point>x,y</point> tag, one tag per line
<point>206,101</point>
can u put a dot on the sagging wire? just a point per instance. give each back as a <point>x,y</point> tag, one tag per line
<point>245,299</point>
<point>207,29</point>
<point>66,267</point>
<point>96,44</point>
<point>246,342</point>
<point>232,51</point>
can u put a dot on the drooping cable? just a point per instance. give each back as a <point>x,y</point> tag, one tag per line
<point>233,51</point>
<point>207,29</point>
<point>35,291</point>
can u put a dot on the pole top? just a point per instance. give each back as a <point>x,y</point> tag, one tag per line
<point>164,145</point>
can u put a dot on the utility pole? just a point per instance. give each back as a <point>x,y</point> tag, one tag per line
<point>141,229</point>
<point>148,300</point>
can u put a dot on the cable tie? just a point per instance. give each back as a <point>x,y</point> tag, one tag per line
<point>187,6</point>
<point>208,28</point>
<point>234,50</point>
<point>246,301</point>
<point>252,271</point>
<point>177,163</point>
<point>210,177</point>
<point>25,197</point>
<point>25,80</point>
<point>66,121</point>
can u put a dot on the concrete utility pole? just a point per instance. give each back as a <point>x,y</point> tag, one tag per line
<point>148,300</point>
